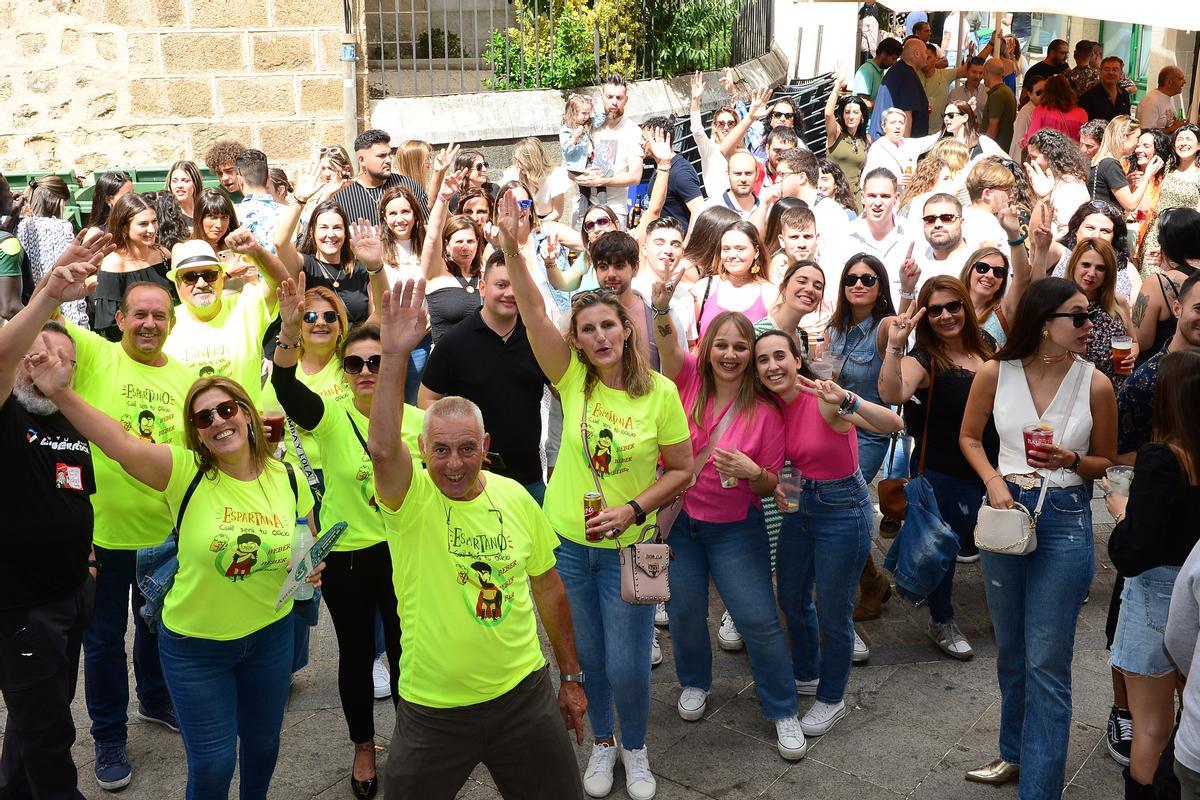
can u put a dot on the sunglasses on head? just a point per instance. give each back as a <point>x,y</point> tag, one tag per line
<point>983,268</point>
<point>480,166</point>
<point>353,365</point>
<point>1078,318</point>
<point>590,294</point>
<point>953,307</point>
<point>311,317</point>
<point>867,280</point>
<point>209,275</point>
<point>946,219</point>
<point>598,222</point>
<point>325,150</point>
<point>226,410</point>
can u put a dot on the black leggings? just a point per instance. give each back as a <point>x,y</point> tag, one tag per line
<point>355,584</point>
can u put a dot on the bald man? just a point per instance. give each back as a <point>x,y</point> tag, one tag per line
<point>1001,109</point>
<point>902,89</point>
<point>1160,108</point>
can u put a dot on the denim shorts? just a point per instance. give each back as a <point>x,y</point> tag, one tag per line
<point>1138,644</point>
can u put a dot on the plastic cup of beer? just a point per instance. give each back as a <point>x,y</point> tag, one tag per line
<point>822,369</point>
<point>1119,478</point>
<point>836,363</point>
<point>1122,346</point>
<point>791,482</point>
<point>728,481</point>
<point>1039,436</point>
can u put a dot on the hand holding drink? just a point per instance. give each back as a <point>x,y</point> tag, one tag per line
<point>1122,355</point>
<point>787,494</point>
<point>1039,439</point>
<point>1118,479</point>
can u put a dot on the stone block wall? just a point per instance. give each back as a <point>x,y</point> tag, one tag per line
<point>104,83</point>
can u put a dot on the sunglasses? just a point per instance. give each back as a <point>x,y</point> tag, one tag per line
<point>524,205</point>
<point>782,115</point>
<point>480,166</point>
<point>598,222</point>
<point>953,114</point>
<point>1078,318</point>
<point>311,317</point>
<point>946,219</point>
<point>209,275</point>
<point>591,294</point>
<point>226,410</point>
<point>724,123</point>
<point>867,280</point>
<point>953,307</point>
<point>983,268</point>
<point>353,365</point>
<point>325,150</point>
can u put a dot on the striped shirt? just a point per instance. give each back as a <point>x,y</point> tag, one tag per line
<point>359,202</point>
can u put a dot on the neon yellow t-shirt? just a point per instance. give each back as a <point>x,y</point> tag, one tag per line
<point>229,344</point>
<point>234,548</point>
<point>349,475</point>
<point>624,434</point>
<point>329,383</point>
<point>148,401</point>
<point>469,633</point>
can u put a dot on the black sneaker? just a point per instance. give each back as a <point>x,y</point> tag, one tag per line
<point>159,716</point>
<point>112,767</point>
<point>1120,735</point>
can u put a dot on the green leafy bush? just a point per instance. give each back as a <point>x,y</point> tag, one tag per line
<point>445,45</point>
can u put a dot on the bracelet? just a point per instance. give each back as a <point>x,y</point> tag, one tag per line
<point>762,471</point>
<point>301,200</point>
<point>989,480</point>
<point>1018,242</point>
<point>664,167</point>
<point>849,404</point>
<point>282,345</point>
<point>1075,464</point>
<point>374,271</point>
<point>660,312</point>
<point>908,295</point>
<point>510,253</point>
<point>896,351</point>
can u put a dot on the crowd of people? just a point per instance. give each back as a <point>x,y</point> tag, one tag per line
<point>726,362</point>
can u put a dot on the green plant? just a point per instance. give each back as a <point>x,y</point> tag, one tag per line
<point>445,45</point>
<point>697,35</point>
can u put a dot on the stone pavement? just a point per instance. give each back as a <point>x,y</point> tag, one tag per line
<point>917,721</point>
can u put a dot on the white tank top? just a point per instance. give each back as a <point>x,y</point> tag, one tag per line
<point>1014,408</point>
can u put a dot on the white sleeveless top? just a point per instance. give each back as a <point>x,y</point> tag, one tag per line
<point>1014,408</point>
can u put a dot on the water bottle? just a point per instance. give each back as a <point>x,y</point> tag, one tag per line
<point>302,541</point>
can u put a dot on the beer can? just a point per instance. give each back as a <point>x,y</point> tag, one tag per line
<point>593,504</point>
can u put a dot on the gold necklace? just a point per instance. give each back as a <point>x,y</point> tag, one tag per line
<point>1054,359</point>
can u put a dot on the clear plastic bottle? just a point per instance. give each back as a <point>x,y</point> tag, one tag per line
<point>302,542</point>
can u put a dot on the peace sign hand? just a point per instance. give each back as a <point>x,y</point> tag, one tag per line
<point>445,157</point>
<point>825,391</point>
<point>902,326</point>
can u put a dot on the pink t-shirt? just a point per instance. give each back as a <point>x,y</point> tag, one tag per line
<point>759,435</point>
<point>814,448</point>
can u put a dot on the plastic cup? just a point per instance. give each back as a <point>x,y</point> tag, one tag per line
<point>273,422</point>
<point>1039,436</point>
<point>728,481</point>
<point>791,482</point>
<point>822,369</point>
<point>836,363</point>
<point>1122,346</point>
<point>1119,478</point>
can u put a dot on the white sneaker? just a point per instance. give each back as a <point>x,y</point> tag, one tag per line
<point>789,738</point>
<point>807,688</point>
<point>660,615</point>
<point>861,651</point>
<point>382,678</point>
<point>639,780</point>
<point>598,777</point>
<point>727,635</point>
<point>655,651</point>
<point>692,702</point>
<point>951,640</point>
<point>821,717</point>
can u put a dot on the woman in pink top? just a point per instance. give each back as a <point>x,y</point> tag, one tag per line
<point>824,541</point>
<point>741,279</point>
<point>1058,110</point>
<point>737,444</point>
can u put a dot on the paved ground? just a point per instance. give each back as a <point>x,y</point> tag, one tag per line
<point>917,722</point>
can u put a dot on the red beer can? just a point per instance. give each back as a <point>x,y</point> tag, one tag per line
<point>593,504</point>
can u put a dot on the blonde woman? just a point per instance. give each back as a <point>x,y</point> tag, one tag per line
<point>547,184</point>
<point>1107,180</point>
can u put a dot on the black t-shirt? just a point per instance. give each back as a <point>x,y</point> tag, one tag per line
<point>1043,70</point>
<point>950,391</point>
<point>1099,105</point>
<point>47,507</point>
<point>354,289</point>
<point>683,185</point>
<point>359,202</point>
<point>504,380</point>
<point>1105,178</point>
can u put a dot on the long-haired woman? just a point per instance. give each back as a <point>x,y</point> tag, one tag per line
<point>630,418</point>
<point>959,123</point>
<point>704,241</point>
<point>832,183</point>
<point>846,139</point>
<point>740,279</point>
<point>1179,189</point>
<point>1057,172</point>
<point>1094,219</point>
<point>402,231</point>
<point>215,218</point>
<point>45,235</point>
<point>109,186</point>
<point>546,183</point>
<point>1059,110</point>
<point>184,183</point>
<point>1153,312</point>
<point>1093,268</point>
<point>1034,599</point>
<point>138,257</point>
<point>326,256</point>
<point>726,134</point>
<point>1107,180</point>
<point>452,262</point>
<point>1150,143</point>
<point>995,284</point>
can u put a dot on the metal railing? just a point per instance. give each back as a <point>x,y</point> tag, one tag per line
<point>436,47</point>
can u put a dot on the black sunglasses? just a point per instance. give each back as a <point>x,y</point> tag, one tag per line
<point>353,365</point>
<point>946,219</point>
<point>311,317</point>
<point>226,410</point>
<point>983,268</point>
<point>953,307</point>
<point>480,166</point>
<point>1078,318</point>
<point>598,222</point>
<point>867,280</point>
<point>209,275</point>
<point>783,115</point>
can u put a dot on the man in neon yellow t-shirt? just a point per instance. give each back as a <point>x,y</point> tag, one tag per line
<point>471,556</point>
<point>222,333</point>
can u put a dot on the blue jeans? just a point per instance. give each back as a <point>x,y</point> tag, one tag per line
<point>738,557</point>
<point>537,490</point>
<point>958,500</point>
<point>225,692</point>
<point>305,616</point>
<point>105,665</point>
<point>1034,601</point>
<point>825,544</point>
<point>612,640</point>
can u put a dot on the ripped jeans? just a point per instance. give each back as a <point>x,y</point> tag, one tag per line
<point>958,501</point>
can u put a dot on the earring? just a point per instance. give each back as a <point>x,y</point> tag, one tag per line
<point>1045,334</point>
<point>754,269</point>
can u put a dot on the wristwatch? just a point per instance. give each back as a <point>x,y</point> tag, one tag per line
<point>1075,464</point>
<point>639,516</point>
<point>572,677</point>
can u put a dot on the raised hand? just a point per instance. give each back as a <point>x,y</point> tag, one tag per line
<point>445,157</point>
<point>727,80</point>
<point>307,185</point>
<point>291,306</point>
<point>71,281</point>
<point>758,103</point>
<point>452,183</point>
<point>366,244</point>
<point>660,146</point>
<point>90,245</point>
<point>242,242</point>
<point>910,273</point>
<point>902,326</point>
<point>825,391</point>
<point>697,85</point>
<point>662,292</point>
<point>508,221</point>
<point>1010,218</point>
<point>1041,181</point>
<point>49,368</point>
<point>403,320</point>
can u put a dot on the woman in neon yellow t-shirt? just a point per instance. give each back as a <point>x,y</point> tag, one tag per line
<point>631,417</point>
<point>226,650</point>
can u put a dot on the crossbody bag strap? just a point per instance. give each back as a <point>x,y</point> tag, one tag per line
<point>587,456</point>
<point>714,438</point>
<point>358,434</point>
<point>1067,416</point>
<point>704,300</point>
<point>183,504</point>
<point>291,473</point>
<point>305,465</point>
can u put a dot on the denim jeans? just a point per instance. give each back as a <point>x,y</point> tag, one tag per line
<point>738,557</point>
<point>225,692</point>
<point>105,664</point>
<point>825,545</point>
<point>1034,601</point>
<point>612,640</point>
<point>958,501</point>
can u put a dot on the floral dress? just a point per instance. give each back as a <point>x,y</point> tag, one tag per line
<point>1178,190</point>
<point>1099,349</point>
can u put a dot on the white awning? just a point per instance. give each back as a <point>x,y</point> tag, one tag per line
<point>1159,13</point>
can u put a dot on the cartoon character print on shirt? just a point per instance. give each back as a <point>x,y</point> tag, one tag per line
<point>150,414</point>
<point>245,556</point>
<point>610,438</point>
<point>208,359</point>
<point>238,548</point>
<point>366,482</point>
<point>482,567</point>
